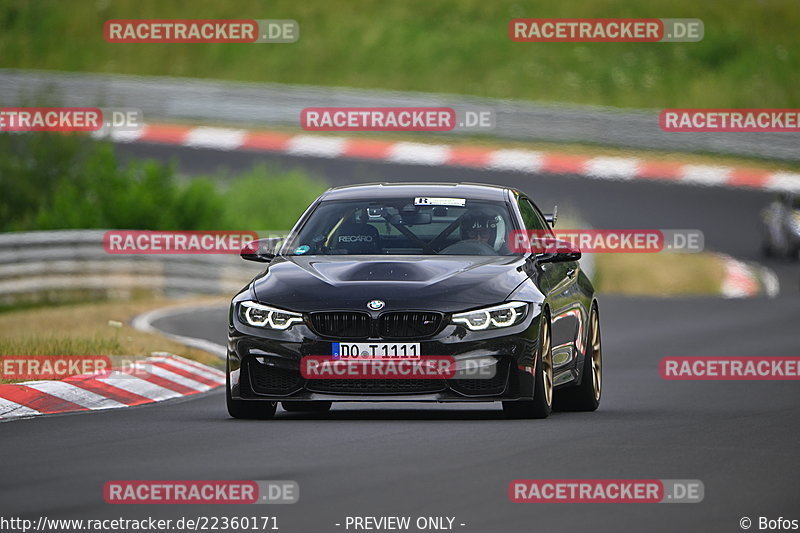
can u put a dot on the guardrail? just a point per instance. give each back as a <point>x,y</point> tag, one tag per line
<point>264,104</point>
<point>50,265</point>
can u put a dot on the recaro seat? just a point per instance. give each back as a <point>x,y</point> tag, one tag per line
<point>357,238</point>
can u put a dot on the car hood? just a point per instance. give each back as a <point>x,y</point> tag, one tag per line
<point>445,284</point>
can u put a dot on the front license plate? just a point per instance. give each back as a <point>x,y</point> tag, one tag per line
<point>375,350</point>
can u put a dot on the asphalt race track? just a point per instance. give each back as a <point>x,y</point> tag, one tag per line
<point>740,438</point>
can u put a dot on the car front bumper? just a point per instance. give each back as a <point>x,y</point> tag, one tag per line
<point>265,365</point>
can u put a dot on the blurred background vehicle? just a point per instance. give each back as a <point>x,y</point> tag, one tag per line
<point>781,227</point>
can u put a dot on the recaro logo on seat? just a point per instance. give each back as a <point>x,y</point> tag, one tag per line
<point>355,238</point>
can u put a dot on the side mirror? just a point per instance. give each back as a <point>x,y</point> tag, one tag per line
<point>559,251</point>
<point>552,217</point>
<point>261,250</point>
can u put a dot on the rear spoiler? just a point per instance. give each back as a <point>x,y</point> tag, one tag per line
<point>551,218</point>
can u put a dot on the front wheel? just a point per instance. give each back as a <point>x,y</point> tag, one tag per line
<point>542,403</point>
<point>586,396</point>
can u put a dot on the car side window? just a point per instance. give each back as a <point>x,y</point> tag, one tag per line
<point>530,217</point>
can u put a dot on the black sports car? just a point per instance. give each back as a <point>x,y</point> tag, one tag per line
<point>411,292</point>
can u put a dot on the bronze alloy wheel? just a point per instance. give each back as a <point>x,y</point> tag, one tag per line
<point>541,404</point>
<point>547,362</point>
<point>586,395</point>
<point>596,352</point>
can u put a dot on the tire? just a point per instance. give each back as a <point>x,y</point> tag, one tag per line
<point>586,396</point>
<point>307,407</point>
<point>242,409</point>
<point>542,403</point>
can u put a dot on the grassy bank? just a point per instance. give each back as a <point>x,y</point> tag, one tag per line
<point>84,329</point>
<point>668,275</point>
<point>748,57</point>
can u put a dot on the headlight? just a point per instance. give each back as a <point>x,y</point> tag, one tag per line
<point>498,316</point>
<point>262,316</point>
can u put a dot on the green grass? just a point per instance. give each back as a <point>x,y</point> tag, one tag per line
<point>664,274</point>
<point>749,57</point>
<point>276,203</point>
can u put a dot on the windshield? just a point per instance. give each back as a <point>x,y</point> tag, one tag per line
<point>405,226</point>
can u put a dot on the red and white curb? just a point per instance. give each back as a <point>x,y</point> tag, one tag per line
<point>743,280</point>
<point>154,379</point>
<point>529,161</point>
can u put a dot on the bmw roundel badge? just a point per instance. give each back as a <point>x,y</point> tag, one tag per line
<point>375,305</point>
